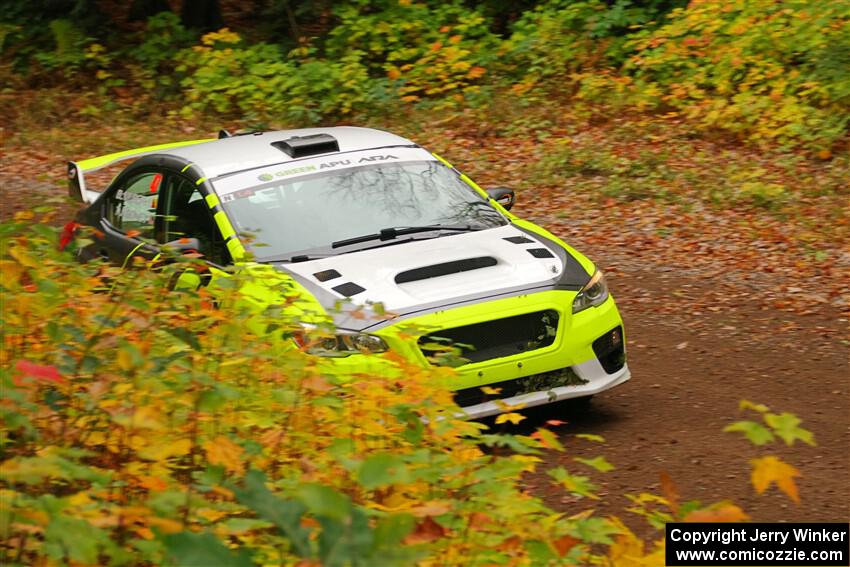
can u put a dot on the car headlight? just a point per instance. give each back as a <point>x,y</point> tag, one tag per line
<point>594,293</point>
<point>344,344</point>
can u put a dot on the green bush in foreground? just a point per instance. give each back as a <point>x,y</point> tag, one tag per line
<point>142,427</point>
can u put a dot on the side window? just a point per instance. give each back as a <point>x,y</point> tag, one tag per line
<point>187,215</point>
<point>133,207</point>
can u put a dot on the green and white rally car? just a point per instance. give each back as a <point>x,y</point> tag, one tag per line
<point>352,218</point>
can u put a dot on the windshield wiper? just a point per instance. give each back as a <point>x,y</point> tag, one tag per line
<point>291,259</point>
<point>394,232</point>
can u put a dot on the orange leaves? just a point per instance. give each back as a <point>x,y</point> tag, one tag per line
<point>426,531</point>
<point>768,470</point>
<point>723,512</point>
<point>564,544</point>
<point>222,451</point>
<point>316,383</point>
<point>671,493</point>
<point>547,439</point>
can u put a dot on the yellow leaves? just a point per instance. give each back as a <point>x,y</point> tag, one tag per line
<point>165,525</point>
<point>124,360</point>
<point>770,469</point>
<point>10,272</point>
<point>223,35</point>
<point>162,450</point>
<point>222,451</point>
<point>145,417</point>
<point>465,454</point>
<point>211,515</point>
<point>590,437</point>
<point>528,462</point>
<point>512,417</point>
<point>627,549</point>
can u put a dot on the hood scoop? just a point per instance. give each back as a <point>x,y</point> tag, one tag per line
<point>445,269</point>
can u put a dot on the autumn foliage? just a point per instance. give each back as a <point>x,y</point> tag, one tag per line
<point>762,71</point>
<point>147,427</point>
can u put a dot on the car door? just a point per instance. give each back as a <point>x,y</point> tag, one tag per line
<point>131,219</point>
<point>186,215</point>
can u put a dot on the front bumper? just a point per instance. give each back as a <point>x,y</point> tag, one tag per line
<point>597,380</point>
<point>573,348</point>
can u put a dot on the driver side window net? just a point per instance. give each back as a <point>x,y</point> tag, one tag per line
<point>187,215</point>
<point>132,208</point>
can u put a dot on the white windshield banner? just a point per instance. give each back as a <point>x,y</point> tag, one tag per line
<point>330,162</point>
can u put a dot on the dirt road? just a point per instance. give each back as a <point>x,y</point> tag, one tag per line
<point>691,363</point>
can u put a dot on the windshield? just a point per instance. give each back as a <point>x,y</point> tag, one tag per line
<point>309,213</point>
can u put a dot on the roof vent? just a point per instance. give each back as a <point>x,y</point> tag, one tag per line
<point>303,146</point>
<point>245,132</point>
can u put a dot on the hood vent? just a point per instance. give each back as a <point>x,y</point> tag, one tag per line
<point>327,275</point>
<point>348,289</point>
<point>540,253</point>
<point>445,269</point>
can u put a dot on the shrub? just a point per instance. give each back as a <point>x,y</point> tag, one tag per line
<point>426,51</point>
<point>764,70</point>
<point>559,38</point>
<point>258,83</point>
<point>150,427</point>
<point>155,57</point>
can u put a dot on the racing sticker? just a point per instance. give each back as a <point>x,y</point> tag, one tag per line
<point>237,184</point>
<point>157,179</point>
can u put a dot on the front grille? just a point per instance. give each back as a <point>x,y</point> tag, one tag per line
<point>510,388</point>
<point>610,350</point>
<point>491,339</point>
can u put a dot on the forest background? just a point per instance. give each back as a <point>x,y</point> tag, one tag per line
<point>134,433</point>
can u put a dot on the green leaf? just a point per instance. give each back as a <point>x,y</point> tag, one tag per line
<point>576,484</point>
<point>345,543</point>
<point>202,550</point>
<point>74,539</point>
<point>382,469</point>
<point>755,432</point>
<point>590,437</point>
<point>747,404</point>
<point>390,530</point>
<point>324,501</point>
<point>187,337</point>
<point>540,553</point>
<point>515,443</point>
<point>599,463</point>
<point>595,530</point>
<point>785,425</point>
<point>285,514</point>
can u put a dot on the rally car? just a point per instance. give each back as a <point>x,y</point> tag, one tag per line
<point>356,218</point>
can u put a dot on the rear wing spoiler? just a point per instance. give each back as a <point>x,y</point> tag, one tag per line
<point>77,188</point>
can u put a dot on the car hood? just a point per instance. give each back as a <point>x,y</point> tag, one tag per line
<point>417,276</point>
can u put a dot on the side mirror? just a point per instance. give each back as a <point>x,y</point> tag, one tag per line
<point>184,245</point>
<point>503,196</point>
